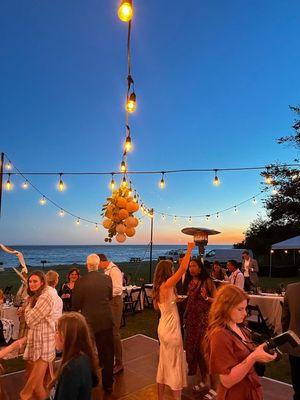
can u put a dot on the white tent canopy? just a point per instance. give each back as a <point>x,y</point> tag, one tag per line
<point>293,243</point>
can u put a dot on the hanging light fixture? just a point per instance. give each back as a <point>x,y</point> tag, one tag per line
<point>135,198</point>
<point>190,220</point>
<point>123,166</point>
<point>125,11</point>
<point>96,227</point>
<point>128,143</point>
<point>218,215</point>
<point>112,184</point>
<point>124,182</point>
<point>8,184</point>
<point>275,191</point>
<point>61,212</point>
<point>130,189</point>
<point>8,166</point>
<point>175,219</point>
<point>162,183</point>
<point>268,177</point>
<point>25,185</point>
<point>163,217</point>
<point>78,221</point>
<point>207,217</point>
<point>216,181</point>
<point>254,201</point>
<point>43,201</point>
<point>131,103</point>
<point>235,209</point>
<point>60,185</point>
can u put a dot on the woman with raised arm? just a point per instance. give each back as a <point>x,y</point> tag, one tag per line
<point>172,364</point>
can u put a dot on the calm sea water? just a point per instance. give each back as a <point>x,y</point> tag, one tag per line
<point>56,255</point>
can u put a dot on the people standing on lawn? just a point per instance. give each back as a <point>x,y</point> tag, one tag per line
<point>236,277</point>
<point>172,364</point>
<point>250,270</point>
<point>40,345</point>
<point>110,269</point>
<point>92,295</point>
<point>229,349</point>
<point>66,290</point>
<point>201,293</point>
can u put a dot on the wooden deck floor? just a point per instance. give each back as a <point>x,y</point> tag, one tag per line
<point>137,382</point>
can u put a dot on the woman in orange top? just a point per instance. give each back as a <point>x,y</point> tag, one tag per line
<point>229,350</point>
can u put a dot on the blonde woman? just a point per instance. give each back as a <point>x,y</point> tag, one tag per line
<point>40,347</point>
<point>230,352</point>
<point>172,364</point>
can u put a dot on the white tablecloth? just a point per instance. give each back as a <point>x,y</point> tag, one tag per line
<point>270,307</point>
<point>10,312</point>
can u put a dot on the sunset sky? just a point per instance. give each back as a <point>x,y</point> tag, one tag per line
<point>214,81</point>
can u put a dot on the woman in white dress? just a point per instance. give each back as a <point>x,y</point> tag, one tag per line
<point>172,364</point>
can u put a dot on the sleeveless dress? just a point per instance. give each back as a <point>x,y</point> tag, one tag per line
<point>172,369</point>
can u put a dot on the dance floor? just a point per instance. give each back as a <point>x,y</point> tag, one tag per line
<point>137,382</point>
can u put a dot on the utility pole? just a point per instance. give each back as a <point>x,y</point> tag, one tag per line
<point>151,243</point>
<point>1,179</point>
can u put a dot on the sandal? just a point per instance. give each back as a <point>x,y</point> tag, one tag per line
<point>199,388</point>
<point>211,395</point>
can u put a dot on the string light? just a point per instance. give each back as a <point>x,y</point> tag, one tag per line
<point>131,103</point>
<point>112,182</point>
<point>135,198</point>
<point>43,201</point>
<point>130,190</point>
<point>123,166</point>
<point>274,192</point>
<point>190,220</point>
<point>124,182</point>
<point>25,185</point>
<point>268,179</point>
<point>8,184</point>
<point>216,181</point>
<point>235,209</point>
<point>96,227</point>
<point>8,166</point>
<point>61,185</point>
<point>61,212</point>
<point>163,217</point>
<point>218,215</point>
<point>78,221</point>
<point>125,11</point>
<point>128,143</point>
<point>175,219</point>
<point>208,217</point>
<point>162,183</point>
<point>254,201</point>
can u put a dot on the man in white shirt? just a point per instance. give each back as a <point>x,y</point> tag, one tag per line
<point>52,278</point>
<point>114,272</point>
<point>236,277</point>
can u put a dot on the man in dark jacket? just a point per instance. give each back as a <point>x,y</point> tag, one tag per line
<point>92,294</point>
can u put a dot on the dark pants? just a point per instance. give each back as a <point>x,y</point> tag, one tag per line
<point>105,346</point>
<point>247,284</point>
<point>295,372</point>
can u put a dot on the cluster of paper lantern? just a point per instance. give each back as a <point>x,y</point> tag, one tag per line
<point>119,215</point>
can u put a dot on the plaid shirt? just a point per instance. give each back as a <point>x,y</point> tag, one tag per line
<point>41,332</point>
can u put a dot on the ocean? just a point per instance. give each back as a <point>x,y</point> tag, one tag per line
<point>57,255</point>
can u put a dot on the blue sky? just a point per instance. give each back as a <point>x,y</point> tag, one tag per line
<point>214,80</point>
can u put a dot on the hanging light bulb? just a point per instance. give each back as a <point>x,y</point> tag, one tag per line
<point>124,182</point>
<point>135,198</point>
<point>78,221</point>
<point>123,166</point>
<point>207,217</point>
<point>112,182</point>
<point>130,190</point>
<point>151,213</point>
<point>61,185</point>
<point>140,221</point>
<point>125,11</point>
<point>43,201</point>
<point>235,209</point>
<point>274,191</point>
<point>254,201</point>
<point>190,220</point>
<point>216,181</point>
<point>268,179</point>
<point>218,215</point>
<point>8,166</point>
<point>175,219</point>
<point>162,183</point>
<point>131,103</point>
<point>128,144</point>
<point>61,212</point>
<point>8,184</point>
<point>96,227</point>
<point>25,185</point>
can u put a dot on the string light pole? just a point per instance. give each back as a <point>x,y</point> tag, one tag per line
<point>151,212</point>
<point>1,179</point>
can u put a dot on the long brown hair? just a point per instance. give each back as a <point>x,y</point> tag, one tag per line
<point>163,271</point>
<point>35,295</point>
<point>77,340</point>
<point>228,297</point>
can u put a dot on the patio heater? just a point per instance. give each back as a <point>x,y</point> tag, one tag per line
<point>200,237</point>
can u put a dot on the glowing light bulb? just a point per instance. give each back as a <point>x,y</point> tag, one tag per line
<point>216,181</point>
<point>190,220</point>
<point>163,217</point>
<point>124,182</point>
<point>274,192</point>
<point>135,198</point>
<point>61,212</point>
<point>8,166</point>
<point>25,185</point>
<point>125,11</point>
<point>96,227</point>
<point>272,251</point>
<point>130,191</point>
<point>78,221</point>
<point>123,166</point>
<point>128,144</point>
<point>8,184</point>
<point>112,182</point>
<point>235,209</point>
<point>43,201</point>
<point>162,183</point>
<point>61,185</point>
<point>218,215</point>
<point>207,217</point>
<point>175,219</point>
<point>268,179</point>
<point>131,103</point>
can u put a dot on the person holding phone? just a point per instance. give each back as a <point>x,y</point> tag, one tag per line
<point>229,350</point>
